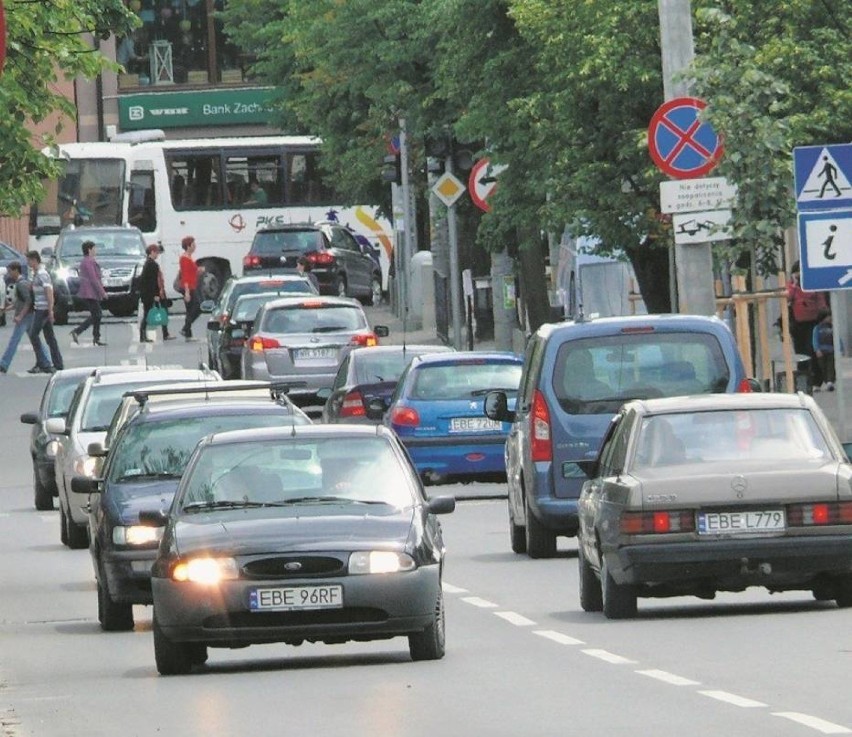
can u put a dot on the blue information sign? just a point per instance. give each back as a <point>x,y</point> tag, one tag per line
<point>823,176</point>
<point>825,241</point>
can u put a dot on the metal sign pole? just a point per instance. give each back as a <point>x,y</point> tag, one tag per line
<point>455,275</point>
<point>836,307</point>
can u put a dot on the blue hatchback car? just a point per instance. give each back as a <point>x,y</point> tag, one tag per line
<point>437,412</point>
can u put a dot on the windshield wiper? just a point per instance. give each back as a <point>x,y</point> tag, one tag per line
<point>158,475</point>
<point>483,392</point>
<point>326,500</point>
<point>224,504</point>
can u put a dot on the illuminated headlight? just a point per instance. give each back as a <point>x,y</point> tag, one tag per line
<point>50,449</point>
<point>209,571</point>
<point>136,535</point>
<point>85,466</point>
<point>380,561</point>
<point>64,272</point>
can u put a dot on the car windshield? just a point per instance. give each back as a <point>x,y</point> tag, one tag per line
<point>325,318</point>
<point>464,380</point>
<point>121,243</point>
<point>246,307</point>
<point>160,449</point>
<point>772,435</point>
<point>61,395</point>
<point>275,242</point>
<point>597,375</point>
<point>269,286</point>
<point>298,472</point>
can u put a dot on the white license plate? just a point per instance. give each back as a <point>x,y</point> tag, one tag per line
<point>737,523</point>
<point>474,424</point>
<point>310,354</point>
<point>114,282</point>
<point>290,598</point>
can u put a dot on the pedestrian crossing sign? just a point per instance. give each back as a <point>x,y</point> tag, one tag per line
<point>823,177</point>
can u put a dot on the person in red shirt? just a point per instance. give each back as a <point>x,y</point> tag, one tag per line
<point>190,272</point>
<point>805,309</point>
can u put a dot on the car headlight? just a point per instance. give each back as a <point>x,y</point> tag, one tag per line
<point>64,272</point>
<point>209,571</point>
<point>380,561</point>
<point>136,535</point>
<point>85,466</point>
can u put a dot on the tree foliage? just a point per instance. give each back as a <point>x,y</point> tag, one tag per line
<point>46,41</point>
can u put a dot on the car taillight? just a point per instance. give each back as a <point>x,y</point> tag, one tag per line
<point>649,523</point>
<point>825,513</point>
<point>262,343</point>
<point>405,417</point>
<point>251,260</point>
<point>322,259</point>
<point>368,340</point>
<point>744,387</point>
<point>353,405</point>
<point>542,447</point>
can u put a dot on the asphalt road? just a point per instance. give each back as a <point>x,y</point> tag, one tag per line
<point>522,658</point>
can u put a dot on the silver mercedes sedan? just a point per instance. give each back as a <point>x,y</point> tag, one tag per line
<point>694,495</point>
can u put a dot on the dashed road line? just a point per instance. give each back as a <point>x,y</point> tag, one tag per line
<point>481,603</point>
<point>519,620</point>
<point>733,699</point>
<point>666,677</point>
<point>607,656</point>
<point>820,725</point>
<point>450,589</point>
<point>558,637</point>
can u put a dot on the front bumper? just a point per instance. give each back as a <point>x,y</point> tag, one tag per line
<point>457,454</point>
<point>128,574</point>
<point>374,607</point>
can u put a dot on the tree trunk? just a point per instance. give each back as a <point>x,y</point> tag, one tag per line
<point>504,318</point>
<point>534,286</point>
<point>651,266</point>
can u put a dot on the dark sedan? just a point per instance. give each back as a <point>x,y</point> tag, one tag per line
<point>232,333</point>
<point>316,533</point>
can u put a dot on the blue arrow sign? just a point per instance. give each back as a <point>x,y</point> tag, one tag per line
<point>825,240</point>
<point>823,176</point>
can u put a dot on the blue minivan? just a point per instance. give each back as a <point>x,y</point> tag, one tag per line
<point>576,376</point>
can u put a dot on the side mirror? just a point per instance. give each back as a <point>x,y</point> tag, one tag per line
<point>589,467</point>
<point>30,418</point>
<point>214,326</point>
<point>56,426</point>
<point>497,407</point>
<point>376,408</point>
<point>96,450</point>
<point>381,331</point>
<point>207,305</point>
<point>441,504</point>
<point>755,385</point>
<point>47,253</point>
<point>323,394</point>
<point>85,485</point>
<point>153,517</point>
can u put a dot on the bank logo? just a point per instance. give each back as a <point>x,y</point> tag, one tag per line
<point>136,112</point>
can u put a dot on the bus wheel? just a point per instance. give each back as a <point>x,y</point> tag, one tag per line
<point>212,281</point>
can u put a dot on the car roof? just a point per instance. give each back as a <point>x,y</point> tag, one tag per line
<point>710,402</point>
<point>267,277</point>
<point>299,431</point>
<point>607,325</point>
<point>295,300</point>
<point>375,350</point>
<point>99,229</point>
<point>316,225</point>
<point>221,406</point>
<point>467,357</point>
<point>158,375</point>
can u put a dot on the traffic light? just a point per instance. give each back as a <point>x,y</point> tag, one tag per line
<point>392,169</point>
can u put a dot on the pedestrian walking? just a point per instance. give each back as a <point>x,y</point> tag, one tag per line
<point>22,305</point>
<point>91,293</point>
<point>303,266</point>
<point>42,321</point>
<point>804,310</point>
<point>823,345</point>
<point>189,275</point>
<point>152,292</point>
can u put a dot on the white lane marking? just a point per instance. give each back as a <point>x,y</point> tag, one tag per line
<point>133,348</point>
<point>666,677</point>
<point>519,620</point>
<point>607,656</point>
<point>820,725</point>
<point>730,698</point>
<point>4,514</point>
<point>558,637</point>
<point>450,589</point>
<point>47,518</point>
<point>481,603</point>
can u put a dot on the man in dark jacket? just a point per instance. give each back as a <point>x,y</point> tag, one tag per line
<point>152,291</point>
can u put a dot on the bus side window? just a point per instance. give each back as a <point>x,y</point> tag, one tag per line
<point>142,211</point>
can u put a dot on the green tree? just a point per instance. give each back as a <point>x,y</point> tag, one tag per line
<point>46,41</point>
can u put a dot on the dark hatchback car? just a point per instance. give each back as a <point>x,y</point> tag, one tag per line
<point>142,471</point>
<point>322,534</point>
<point>342,266</point>
<point>236,287</point>
<point>121,255</point>
<point>55,402</point>
<point>366,379</point>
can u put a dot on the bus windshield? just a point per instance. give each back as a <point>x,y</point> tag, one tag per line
<point>88,192</point>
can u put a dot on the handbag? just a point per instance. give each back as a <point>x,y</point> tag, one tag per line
<point>178,285</point>
<point>157,316</point>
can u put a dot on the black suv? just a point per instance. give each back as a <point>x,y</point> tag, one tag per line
<point>342,266</point>
<point>142,471</point>
<point>121,255</point>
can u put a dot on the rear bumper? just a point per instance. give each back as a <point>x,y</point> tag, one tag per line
<point>557,514</point>
<point>457,455</point>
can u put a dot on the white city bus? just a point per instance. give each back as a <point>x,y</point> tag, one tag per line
<point>201,187</point>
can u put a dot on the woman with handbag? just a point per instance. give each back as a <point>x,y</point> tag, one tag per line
<point>152,292</point>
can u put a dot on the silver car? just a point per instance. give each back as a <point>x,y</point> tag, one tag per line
<point>694,495</point>
<point>300,342</point>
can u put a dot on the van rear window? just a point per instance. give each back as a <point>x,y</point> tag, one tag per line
<point>596,375</point>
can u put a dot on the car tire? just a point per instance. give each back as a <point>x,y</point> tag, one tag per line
<point>340,286</point>
<point>430,643</point>
<point>63,526</point>
<point>619,601</point>
<point>172,658</point>
<point>43,496</point>
<point>126,309</point>
<point>211,282</point>
<point>517,534</point>
<point>844,593</point>
<point>541,542</point>
<point>376,295</point>
<point>113,617</point>
<point>78,535</point>
<point>591,596</point>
